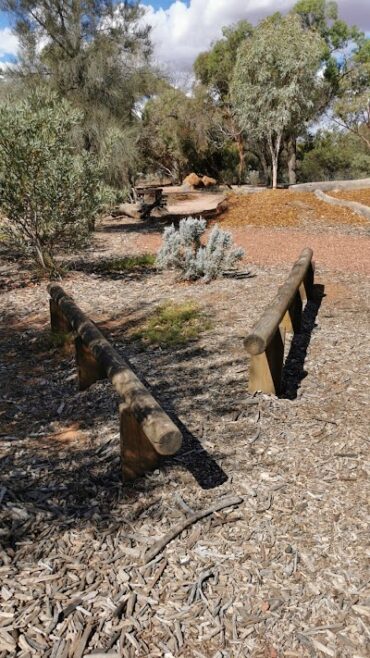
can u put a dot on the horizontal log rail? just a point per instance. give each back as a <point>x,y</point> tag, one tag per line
<point>146,430</point>
<point>265,343</point>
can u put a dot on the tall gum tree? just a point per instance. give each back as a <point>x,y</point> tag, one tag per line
<point>275,81</point>
<point>340,42</point>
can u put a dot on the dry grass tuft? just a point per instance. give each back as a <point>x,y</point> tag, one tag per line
<point>173,324</point>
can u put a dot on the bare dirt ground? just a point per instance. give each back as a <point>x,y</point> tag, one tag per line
<point>272,226</point>
<point>284,573</point>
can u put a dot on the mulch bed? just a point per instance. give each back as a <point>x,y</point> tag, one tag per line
<point>361,196</point>
<point>282,573</point>
<point>286,208</point>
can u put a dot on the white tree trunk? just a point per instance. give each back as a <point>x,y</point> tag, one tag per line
<point>274,150</point>
<point>274,171</point>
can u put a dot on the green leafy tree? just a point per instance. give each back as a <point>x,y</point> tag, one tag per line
<point>95,54</point>
<point>352,106</point>
<point>333,155</point>
<point>214,70</point>
<point>177,133</point>
<point>337,42</point>
<point>274,87</point>
<point>49,196</point>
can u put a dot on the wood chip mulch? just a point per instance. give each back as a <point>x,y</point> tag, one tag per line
<point>285,208</point>
<point>282,573</point>
<point>361,196</point>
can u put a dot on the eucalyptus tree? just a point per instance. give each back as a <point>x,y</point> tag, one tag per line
<point>352,106</point>
<point>340,40</point>
<point>274,87</point>
<point>214,70</point>
<point>178,133</point>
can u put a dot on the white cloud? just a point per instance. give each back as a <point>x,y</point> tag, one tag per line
<point>184,30</point>
<point>8,43</point>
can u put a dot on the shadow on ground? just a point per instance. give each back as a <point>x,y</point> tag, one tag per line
<point>58,458</point>
<point>293,371</point>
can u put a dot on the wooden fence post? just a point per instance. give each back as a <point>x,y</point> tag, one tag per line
<point>266,368</point>
<point>293,316</point>
<point>137,453</point>
<point>58,322</point>
<point>265,343</point>
<point>88,368</point>
<point>306,287</point>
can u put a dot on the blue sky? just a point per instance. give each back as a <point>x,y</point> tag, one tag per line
<point>3,19</point>
<point>181,29</point>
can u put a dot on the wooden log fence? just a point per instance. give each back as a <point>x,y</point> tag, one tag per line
<point>146,431</point>
<point>265,343</point>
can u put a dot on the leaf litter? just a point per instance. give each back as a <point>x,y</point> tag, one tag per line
<point>282,573</point>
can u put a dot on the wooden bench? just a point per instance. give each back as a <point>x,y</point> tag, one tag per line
<point>265,343</point>
<point>146,430</point>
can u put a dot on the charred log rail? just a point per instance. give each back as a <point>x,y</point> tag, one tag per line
<point>265,343</point>
<point>146,430</point>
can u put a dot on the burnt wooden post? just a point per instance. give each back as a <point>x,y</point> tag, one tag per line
<point>265,343</point>
<point>146,430</point>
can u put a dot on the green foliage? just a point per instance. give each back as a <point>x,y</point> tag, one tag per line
<point>334,156</point>
<point>120,155</point>
<point>182,250</point>
<point>48,194</point>
<point>352,107</point>
<point>176,135</point>
<point>215,67</point>
<point>95,54</point>
<point>274,88</point>
<point>338,41</point>
<point>173,324</point>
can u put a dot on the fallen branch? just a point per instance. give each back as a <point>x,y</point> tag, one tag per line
<point>162,543</point>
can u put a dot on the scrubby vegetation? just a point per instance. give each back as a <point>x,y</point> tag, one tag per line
<point>182,250</point>
<point>126,264</point>
<point>85,112</point>
<point>49,191</point>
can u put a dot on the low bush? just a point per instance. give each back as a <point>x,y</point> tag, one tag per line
<point>182,250</point>
<point>49,192</point>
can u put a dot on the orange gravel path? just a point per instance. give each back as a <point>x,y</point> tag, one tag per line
<point>346,253</point>
<point>267,246</point>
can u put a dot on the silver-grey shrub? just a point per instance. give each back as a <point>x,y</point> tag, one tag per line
<point>182,250</point>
